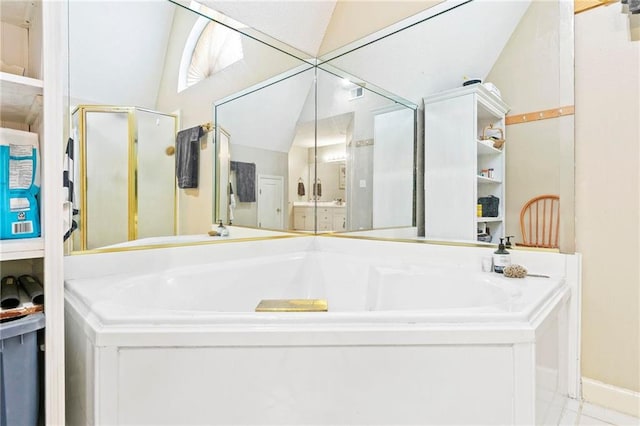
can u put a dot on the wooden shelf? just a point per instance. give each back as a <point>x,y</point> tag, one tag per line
<point>482,179</point>
<point>26,307</point>
<point>26,248</point>
<point>486,148</point>
<point>20,311</point>
<point>21,98</point>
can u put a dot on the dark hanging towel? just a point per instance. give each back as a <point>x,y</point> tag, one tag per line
<point>67,182</point>
<point>245,181</point>
<point>300,188</point>
<point>188,156</point>
<point>317,188</point>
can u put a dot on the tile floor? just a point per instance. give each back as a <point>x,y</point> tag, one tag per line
<point>585,414</point>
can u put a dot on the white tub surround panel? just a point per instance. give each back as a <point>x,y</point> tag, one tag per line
<point>129,262</point>
<point>169,336</point>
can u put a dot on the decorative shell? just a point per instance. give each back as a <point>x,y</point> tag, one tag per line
<point>514,271</point>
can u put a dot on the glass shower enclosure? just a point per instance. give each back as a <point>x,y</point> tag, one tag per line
<point>124,169</point>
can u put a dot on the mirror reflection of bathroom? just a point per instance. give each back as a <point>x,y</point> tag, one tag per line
<point>343,154</point>
<point>128,101</point>
<point>524,44</point>
<point>102,136</point>
<point>522,68</point>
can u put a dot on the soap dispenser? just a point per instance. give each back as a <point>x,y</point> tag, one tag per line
<point>222,230</point>
<point>507,243</point>
<point>501,258</point>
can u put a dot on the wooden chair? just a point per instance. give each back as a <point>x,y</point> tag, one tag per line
<point>540,222</point>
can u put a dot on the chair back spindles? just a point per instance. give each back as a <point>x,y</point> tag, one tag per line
<point>540,222</point>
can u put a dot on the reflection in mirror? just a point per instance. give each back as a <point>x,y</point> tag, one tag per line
<point>323,158</point>
<point>130,199</point>
<point>525,53</point>
<point>260,126</point>
<point>524,49</point>
<point>139,72</point>
<point>378,151</point>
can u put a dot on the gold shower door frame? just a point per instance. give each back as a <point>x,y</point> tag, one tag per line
<point>132,176</point>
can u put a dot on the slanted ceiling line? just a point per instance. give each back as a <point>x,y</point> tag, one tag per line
<point>584,5</point>
<point>539,115</point>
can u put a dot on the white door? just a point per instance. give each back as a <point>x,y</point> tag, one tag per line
<point>270,202</point>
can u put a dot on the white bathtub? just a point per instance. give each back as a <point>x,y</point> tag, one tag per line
<point>403,342</point>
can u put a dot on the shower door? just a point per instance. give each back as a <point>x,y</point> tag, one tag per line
<point>125,178</point>
<point>156,174</point>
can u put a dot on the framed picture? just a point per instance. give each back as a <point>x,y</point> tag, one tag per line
<point>342,176</point>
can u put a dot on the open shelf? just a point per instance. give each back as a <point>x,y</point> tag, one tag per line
<point>26,307</point>
<point>488,219</point>
<point>25,248</point>
<point>21,98</point>
<point>482,179</point>
<point>486,148</point>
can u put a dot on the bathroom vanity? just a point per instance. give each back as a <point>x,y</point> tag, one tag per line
<point>331,216</point>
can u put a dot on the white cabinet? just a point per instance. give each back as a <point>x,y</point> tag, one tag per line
<point>455,157</point>
<point>303,218</point>
<point>339,218</point>
<point>330,218</point>
<point>34,38</point>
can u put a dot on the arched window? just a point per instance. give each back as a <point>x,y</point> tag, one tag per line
<point>210,47</point>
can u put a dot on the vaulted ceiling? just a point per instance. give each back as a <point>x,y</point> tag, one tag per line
<point>127,68</point>
<point>301,24</point>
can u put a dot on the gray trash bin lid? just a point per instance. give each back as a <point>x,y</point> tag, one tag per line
<point>21,326</point>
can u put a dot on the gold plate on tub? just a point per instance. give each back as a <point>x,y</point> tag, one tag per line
<point>292,305</point>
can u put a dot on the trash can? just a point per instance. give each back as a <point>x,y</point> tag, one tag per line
<point>19,380</point>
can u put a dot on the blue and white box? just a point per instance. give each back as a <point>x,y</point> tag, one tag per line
<point>19,184</point>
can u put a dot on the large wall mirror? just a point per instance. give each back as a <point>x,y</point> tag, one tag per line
<point>524,49</point>
<point>342,144</point>
<point>325,154</point>
<point>139,72</point>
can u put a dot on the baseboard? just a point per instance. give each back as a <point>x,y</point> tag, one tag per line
<point>619,399</point>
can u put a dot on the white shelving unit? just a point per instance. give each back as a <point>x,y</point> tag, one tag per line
<point>455,154</point>
<point>21,102</point>
<point>28,248</point>
<point>34,38</point>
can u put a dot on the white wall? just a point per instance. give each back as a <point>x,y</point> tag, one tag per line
<point>117,51</point>
<point>608,198</point>
<point>15,53</point>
